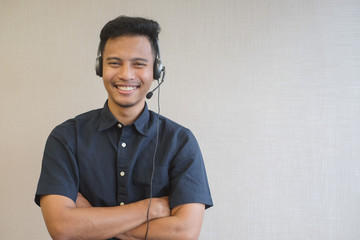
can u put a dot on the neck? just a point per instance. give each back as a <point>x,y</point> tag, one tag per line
<point>125,115</point>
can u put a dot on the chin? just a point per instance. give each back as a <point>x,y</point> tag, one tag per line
<point>124,104</point>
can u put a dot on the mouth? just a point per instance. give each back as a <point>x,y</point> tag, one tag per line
<point>125,89</point>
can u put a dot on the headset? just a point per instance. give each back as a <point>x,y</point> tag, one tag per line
<point>157,71</point>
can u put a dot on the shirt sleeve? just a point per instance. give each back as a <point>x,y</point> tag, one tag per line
<point>188,178</point>
<point>59,172</point>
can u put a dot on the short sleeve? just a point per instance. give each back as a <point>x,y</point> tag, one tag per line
<point>188,178</point>
<point>59,172</point>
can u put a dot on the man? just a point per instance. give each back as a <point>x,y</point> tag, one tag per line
<point>123,171</point>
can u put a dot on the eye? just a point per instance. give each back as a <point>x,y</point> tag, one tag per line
<point>114,63</point>
<point>139,64</point>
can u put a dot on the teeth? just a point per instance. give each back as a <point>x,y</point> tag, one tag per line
<point>123,88</point>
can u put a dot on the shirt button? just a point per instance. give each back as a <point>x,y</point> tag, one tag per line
<point>119,125</point>
<point>122,173</point>
<point>122,204</point>
<point>123,145</point>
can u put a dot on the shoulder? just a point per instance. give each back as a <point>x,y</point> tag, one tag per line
<point>88,117</point>
<point>69,127</point>
<point>173,133</point>
<point>171,127</point>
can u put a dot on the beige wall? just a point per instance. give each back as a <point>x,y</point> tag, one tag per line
<point>270,88</point>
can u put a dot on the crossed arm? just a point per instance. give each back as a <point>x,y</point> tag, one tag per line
<point>66,219</point>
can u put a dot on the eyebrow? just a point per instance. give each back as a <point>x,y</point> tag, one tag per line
<point>133,59</point>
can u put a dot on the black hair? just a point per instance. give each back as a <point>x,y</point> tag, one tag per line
<point>131,26</point>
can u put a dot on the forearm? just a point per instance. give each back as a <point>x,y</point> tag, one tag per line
<point>98,223</point>
<point>185,223</point>
<point>70,222</point>
<point>164,228</point>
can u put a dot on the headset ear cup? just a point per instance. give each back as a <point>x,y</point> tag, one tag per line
<point>98,66</point>
<point>157,68</point>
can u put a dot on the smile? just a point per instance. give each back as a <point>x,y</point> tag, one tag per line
<point>126,88</point>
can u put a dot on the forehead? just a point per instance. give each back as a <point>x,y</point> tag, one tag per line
<point>129,45</point>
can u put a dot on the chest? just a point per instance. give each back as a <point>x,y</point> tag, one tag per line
<point>116,168</point>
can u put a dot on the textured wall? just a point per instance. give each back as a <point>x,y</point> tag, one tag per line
<point>271,89</point>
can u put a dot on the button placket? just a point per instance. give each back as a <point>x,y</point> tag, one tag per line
<point>122,165</point>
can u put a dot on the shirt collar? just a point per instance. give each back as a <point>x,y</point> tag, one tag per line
<point>108,120</point>
<point>142,122</point>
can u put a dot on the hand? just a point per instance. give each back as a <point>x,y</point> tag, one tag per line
<point>82,202</point>
<point>159,207</point>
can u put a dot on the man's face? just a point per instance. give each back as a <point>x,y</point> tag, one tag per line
<point>127,71</point>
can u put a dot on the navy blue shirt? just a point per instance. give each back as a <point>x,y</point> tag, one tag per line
<point>111,164</point>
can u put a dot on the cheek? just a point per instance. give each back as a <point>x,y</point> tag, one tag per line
<point>107,80</point>
<point>147,76</point>
<point>106,83</point>
<point>108,74</point>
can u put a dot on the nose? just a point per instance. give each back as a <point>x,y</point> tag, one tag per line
<point>126,72</point>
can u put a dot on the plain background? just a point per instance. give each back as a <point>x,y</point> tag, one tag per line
<point>271,90</point>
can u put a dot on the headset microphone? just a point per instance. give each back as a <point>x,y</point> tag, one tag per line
<point>150,94</point>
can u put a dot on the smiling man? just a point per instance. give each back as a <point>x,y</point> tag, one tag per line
<point>123,171</point>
